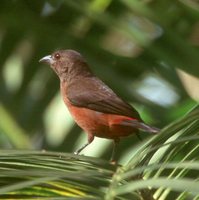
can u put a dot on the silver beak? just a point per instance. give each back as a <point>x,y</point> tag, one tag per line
<point>47,59</point>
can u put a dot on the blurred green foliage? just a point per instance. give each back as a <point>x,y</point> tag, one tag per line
<point>135,46</point>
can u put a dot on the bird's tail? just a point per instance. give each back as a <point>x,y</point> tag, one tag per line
<point>141,126</point>
<point>147,128</point>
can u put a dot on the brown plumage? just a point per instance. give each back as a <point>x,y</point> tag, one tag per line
<point>93,105</point>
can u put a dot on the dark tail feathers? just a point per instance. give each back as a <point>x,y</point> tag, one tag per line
<point>147,128</point>
<point>141,125</point>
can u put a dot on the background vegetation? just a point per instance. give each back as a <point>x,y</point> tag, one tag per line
<point>147,51</point>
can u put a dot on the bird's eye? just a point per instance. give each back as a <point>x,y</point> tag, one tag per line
<point>57,56</point>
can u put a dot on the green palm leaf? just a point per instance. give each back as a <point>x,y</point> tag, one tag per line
<point>158,168</point>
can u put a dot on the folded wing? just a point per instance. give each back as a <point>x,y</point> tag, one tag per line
<point>92,93</point>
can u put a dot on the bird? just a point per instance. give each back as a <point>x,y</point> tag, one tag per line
<point>95,107</point>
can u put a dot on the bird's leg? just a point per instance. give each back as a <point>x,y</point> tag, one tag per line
<point>81,148</point>
<point>115,145</point>
<point>90,139</point>
<point>138,136</point>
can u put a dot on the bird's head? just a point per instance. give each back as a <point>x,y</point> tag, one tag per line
<point>67,63</point>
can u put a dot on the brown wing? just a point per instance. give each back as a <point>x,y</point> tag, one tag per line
<point>92,93</point>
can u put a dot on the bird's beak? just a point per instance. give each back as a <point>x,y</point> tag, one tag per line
<point>47,59</point>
